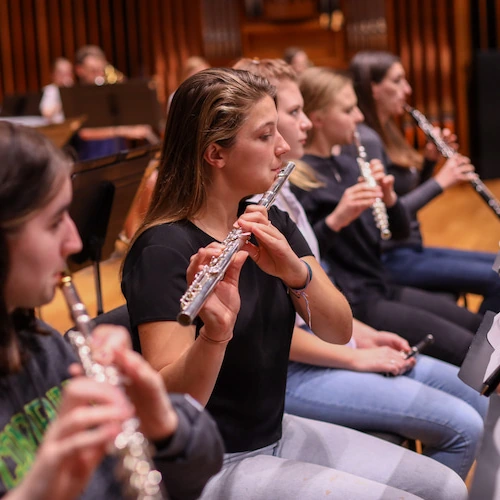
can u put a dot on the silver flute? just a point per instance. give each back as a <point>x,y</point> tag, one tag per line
<point>135,471</point>
<point>379,209</point>
<point>448,152</point>
<point>205,280</point>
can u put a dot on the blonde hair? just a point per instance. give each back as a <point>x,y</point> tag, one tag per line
<point>319,86</point>
<point>304,177</point>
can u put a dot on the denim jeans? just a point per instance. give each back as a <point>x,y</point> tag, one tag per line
<point>446,269</point>
<point>429,403</point>
<point>317,460</point>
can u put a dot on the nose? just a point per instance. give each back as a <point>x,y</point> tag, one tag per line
<point>305,123</point>
<point>72,242</point>
<point>282,146</point>
<point>358,115</point>
<point>408,89</point>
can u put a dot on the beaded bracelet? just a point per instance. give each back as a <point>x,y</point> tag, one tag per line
<point>300,293</point>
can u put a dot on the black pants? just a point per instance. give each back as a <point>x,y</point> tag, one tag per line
<point>414,313</point>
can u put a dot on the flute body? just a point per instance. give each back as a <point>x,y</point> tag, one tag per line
<point>136,471</point>
<point>205,280</point>
<point>379,209</point>
<point>449,152</point>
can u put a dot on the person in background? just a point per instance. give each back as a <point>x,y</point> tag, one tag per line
<point>62,76</point>
<point>297,58</point>
<point>221,146</point>
<point>90,65</point>
<point>55,424</point>
<point>382,90</point>
<point>423,399</point>
<point>191,66</point>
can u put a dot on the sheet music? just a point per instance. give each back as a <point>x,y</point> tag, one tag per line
<point>493,337</point>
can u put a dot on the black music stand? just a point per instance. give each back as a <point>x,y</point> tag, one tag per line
<point>133,102</point>
<point>477,359</point>
<point>103,191</point>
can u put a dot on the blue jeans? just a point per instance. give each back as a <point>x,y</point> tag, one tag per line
<point>430,403</point>
<point>446,269</point>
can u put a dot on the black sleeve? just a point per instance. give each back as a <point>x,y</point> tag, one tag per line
<point>427,170</point>
<point>194,453</point>
<point>281,220</point>
<point>399,221</point>
<point>155,283</point>
<point>421,195</point>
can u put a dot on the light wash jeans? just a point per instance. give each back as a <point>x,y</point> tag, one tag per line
<point>446,269</point>
<point>429,403</point>
<point>316,460</point>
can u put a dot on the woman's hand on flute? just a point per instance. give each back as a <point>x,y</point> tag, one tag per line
<point>273,254</point>
<point>222,306</point>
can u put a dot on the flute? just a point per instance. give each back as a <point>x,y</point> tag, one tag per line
<point>205,280</point>
<point>448,152</point>
<point>136,471</point>
<point>379,209</point>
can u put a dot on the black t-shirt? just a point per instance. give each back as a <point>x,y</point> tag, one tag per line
<point>248,399</point>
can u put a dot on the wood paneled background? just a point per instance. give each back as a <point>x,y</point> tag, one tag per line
<point>435,39</point>
<point>139,37</point>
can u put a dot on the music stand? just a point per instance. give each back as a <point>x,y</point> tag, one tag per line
<point>21,104</point>
<point>133,102</point>
<point>103,191</point>
<point>479,355</point>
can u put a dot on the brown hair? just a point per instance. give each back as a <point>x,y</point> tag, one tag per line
<point>369,67</point>
<point>209,107</point>
<point>30,177</point>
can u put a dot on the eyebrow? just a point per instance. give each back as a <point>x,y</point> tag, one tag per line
<point>270,123</point>
<point>61,210</point>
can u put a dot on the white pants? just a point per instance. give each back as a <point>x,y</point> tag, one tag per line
<point>318,460</point>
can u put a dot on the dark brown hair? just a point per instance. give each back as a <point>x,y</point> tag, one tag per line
<point>30,176</point>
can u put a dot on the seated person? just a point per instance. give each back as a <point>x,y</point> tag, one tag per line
<point>423,399</point>
<point>55,429</point>
<point>90,64</point>
<point>341,216</point>
<point>222,146</point>
<point>62,76</point>
<point>382,90</point>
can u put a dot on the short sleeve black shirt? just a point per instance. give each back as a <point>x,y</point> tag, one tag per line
<point>248,398</point>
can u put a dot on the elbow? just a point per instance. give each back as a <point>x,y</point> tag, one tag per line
<point>344,330</point>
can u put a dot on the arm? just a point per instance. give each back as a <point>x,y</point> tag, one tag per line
<point>126,131</point>
<point>455,170</point>
<point>274,256</point>
<point>307,348</point>
<point>193,454</point>
<point>190,365</point>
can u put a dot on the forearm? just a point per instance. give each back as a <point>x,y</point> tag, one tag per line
<point>99,133</point>
<point>399,221</point>
<point>194,453</point>
<point>309,349</point>
<point>195,372</point>
<point>420,196</point>
<point>330,313</point>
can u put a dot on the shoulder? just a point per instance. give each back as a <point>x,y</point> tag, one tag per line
<point>367,134</point>
<point>176,237</point>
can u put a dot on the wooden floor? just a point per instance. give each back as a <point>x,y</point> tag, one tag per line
<point>459,218</point>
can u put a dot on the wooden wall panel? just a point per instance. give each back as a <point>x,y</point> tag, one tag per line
<point>141,38</point>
